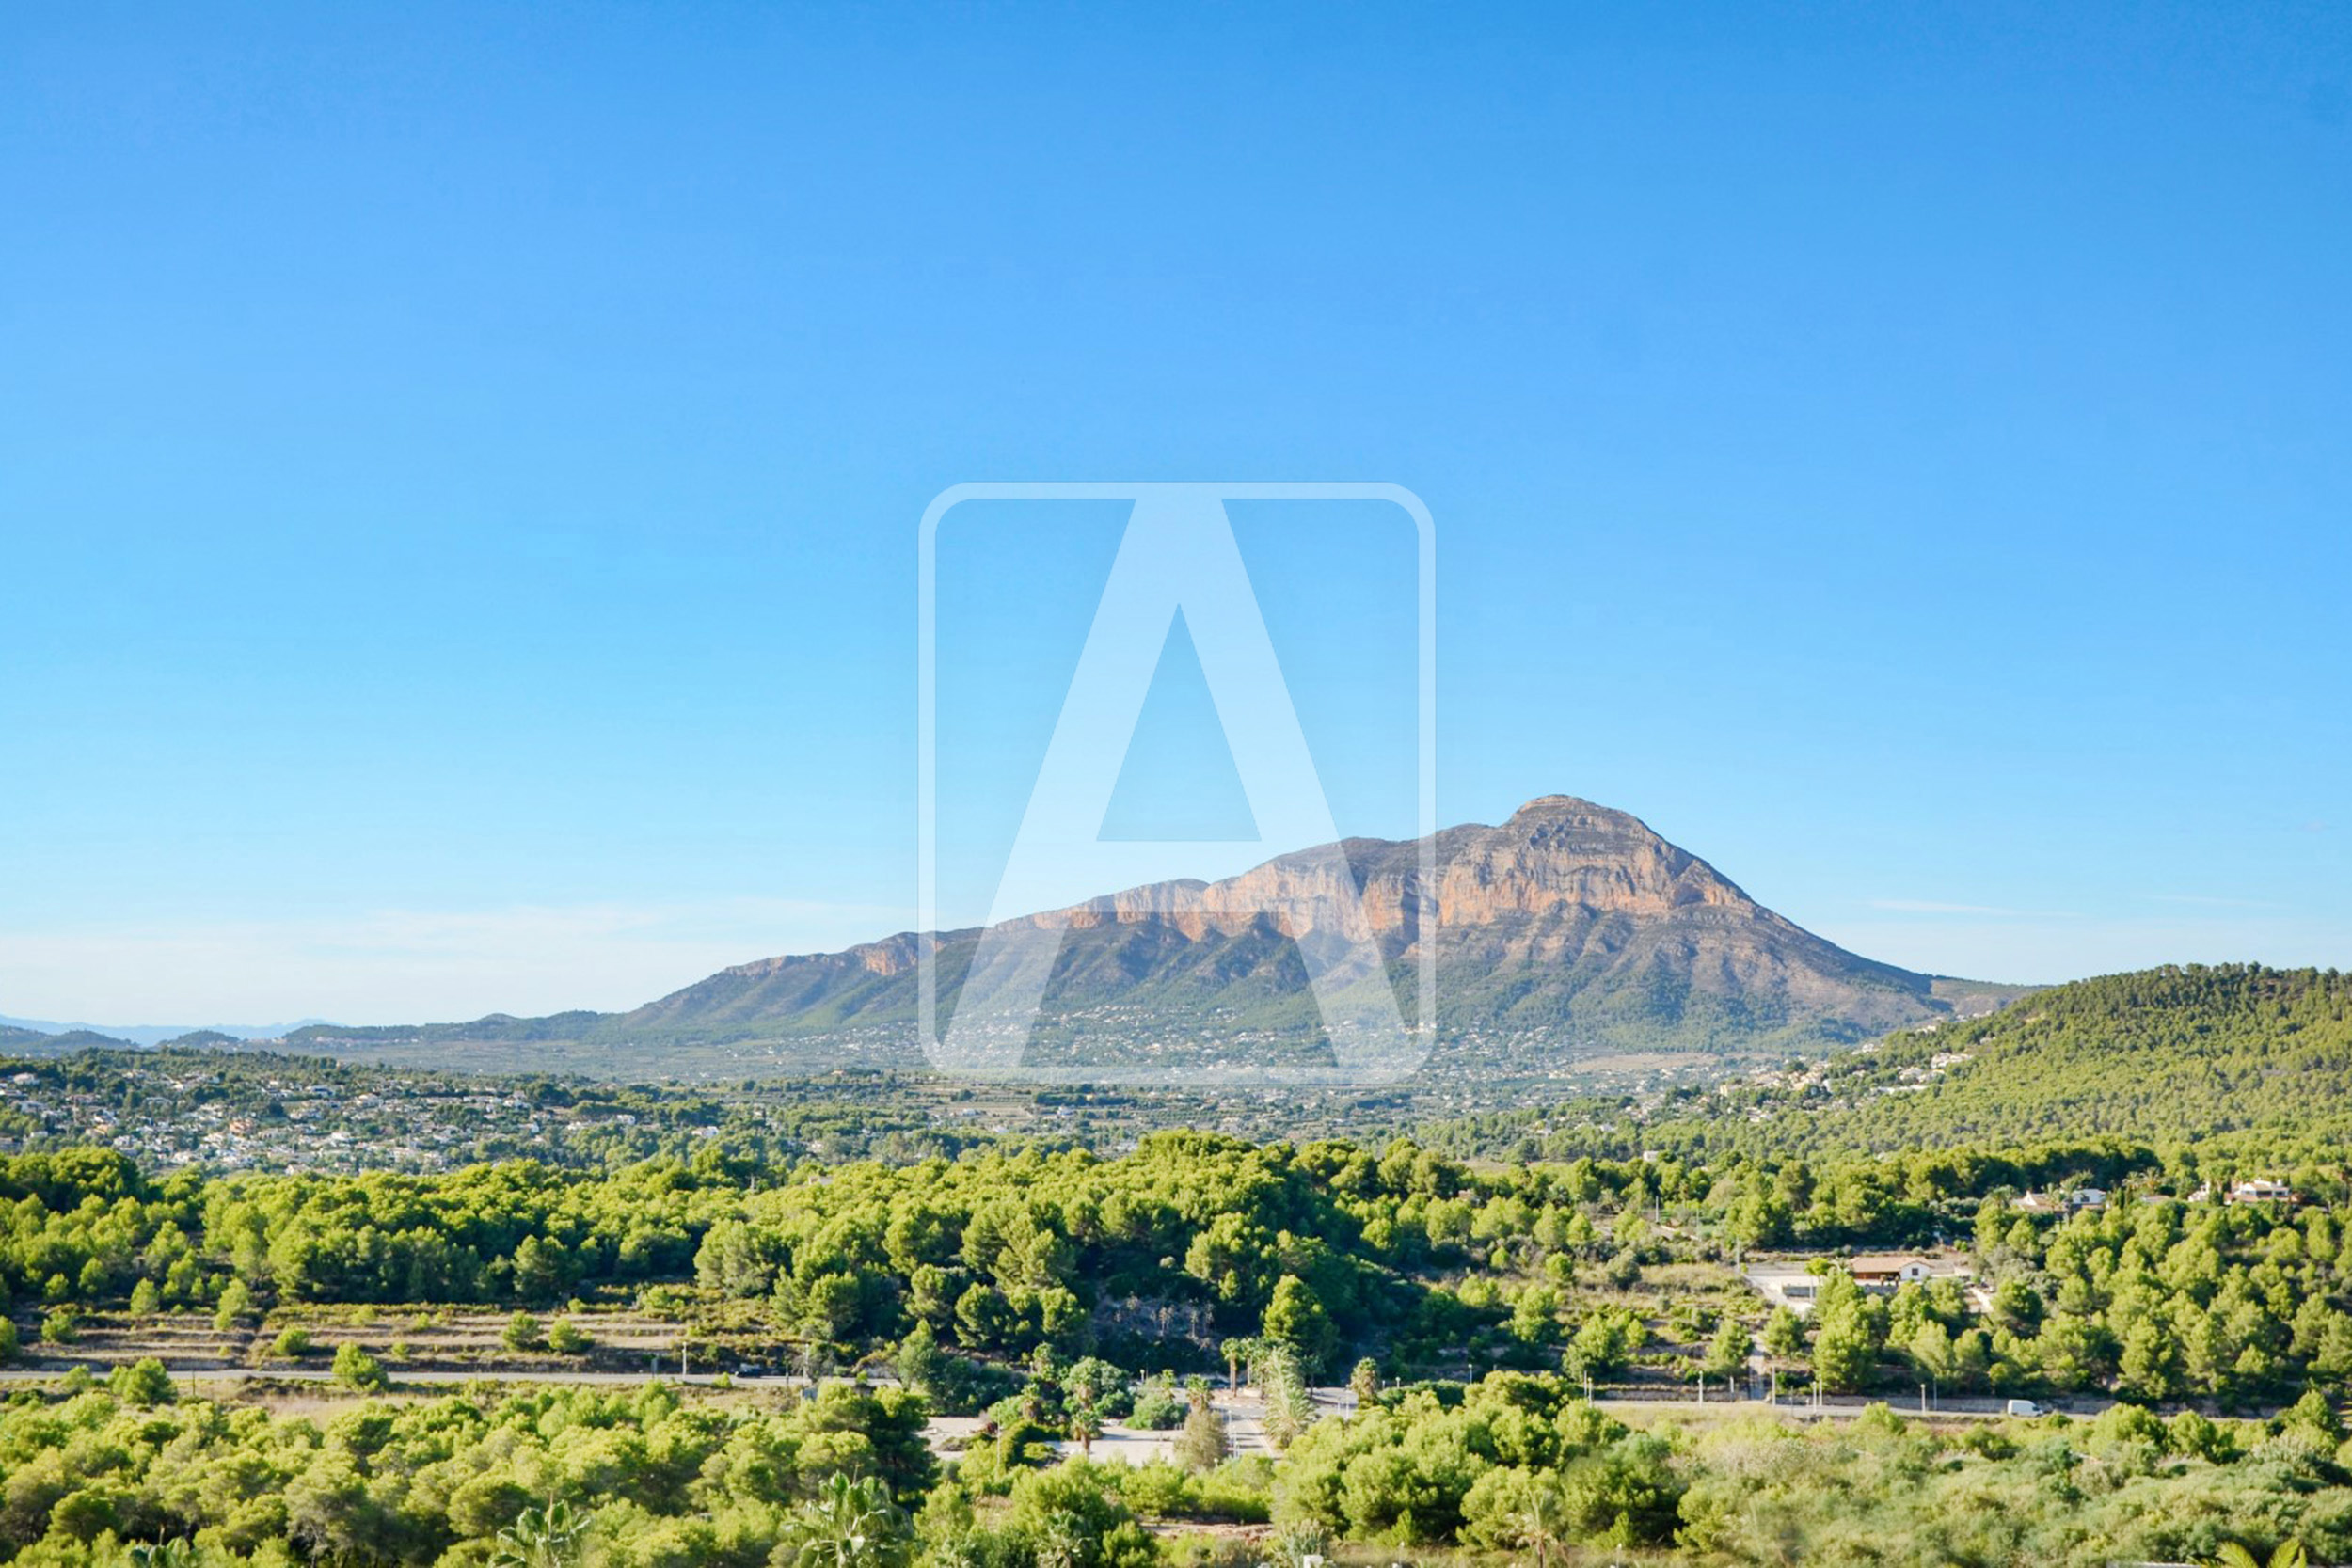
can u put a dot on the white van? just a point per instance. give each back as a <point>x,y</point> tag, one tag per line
<point>2023,1407</point>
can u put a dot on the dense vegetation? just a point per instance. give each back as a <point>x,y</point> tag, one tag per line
<point>663,1481</point>
<point>2238,1056</point>
<point>1156,1259</point>
<point>1054,1289</point>
<point>1515,1465</point>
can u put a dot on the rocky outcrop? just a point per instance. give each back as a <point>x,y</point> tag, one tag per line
<point>1571,923</point>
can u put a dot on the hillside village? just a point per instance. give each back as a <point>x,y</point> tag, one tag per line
<point>289,1121</point>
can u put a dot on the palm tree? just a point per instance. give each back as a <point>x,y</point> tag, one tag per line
<point>1063,1541</point>
<point>1086,1425</point>
<point>1300,1545</point>
<point>1289,1408</point>
<point>175,1553</point>
<point>849,1523</point>
<point>541,1538</point>
<point>1542,1525</point>
<point>2287,1554</point>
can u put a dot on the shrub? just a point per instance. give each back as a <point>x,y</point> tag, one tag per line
<point>236,1300</point>
<point>1203,1444</point>
<point>565,1337</point>
<point>1158,1407</point>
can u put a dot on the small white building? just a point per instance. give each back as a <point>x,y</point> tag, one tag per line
<point>1883,1271</point>
<point>1792,1283</point>
<point>2072,1201</point>
<point>1785,1284</point>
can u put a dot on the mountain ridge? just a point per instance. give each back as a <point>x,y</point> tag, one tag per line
<point>1572,928</point>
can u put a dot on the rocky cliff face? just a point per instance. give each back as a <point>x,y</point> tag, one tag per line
<point>1559,852</point>
<point>888,957</point>
<point>1571,929</point>
<point>1555,854</point>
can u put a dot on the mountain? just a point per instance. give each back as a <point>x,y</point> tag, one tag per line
<point>1570,934</point>
<point>147,1034</point>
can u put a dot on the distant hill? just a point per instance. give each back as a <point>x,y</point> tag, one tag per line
<point>152,1034</point>
<point>1569,934</point>
<point>203,1039</point>
<point>19,1041</point>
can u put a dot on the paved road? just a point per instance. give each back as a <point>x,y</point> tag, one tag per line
<point>1242,1411</point>
<point>437,1377</point>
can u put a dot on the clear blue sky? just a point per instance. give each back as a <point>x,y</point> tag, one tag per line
<point>459,465</point>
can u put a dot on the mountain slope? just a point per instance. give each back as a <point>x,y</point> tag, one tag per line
<point>2162,1055</point>
<point>1569,920</point>
<point>1568,933</point>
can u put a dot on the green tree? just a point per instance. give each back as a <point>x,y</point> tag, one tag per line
<point>143,1383</point>
<point>733,1261</point>
<point>1727,1351</point>
<point>920,1360</point>
<point>566,1337</point>
<point>1295,1318</point>
<point>1604,1344</point>
<point>984,1319</point>
<point>236,1301</point>
<point>1849,1327</point>
<point>356,1369</point>
<point>1072,1516</point>
<point>1202,1444</point>
<point>542,1269</point>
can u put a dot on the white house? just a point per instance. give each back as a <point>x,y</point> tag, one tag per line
<point>2074,1200</point>
<point>1887,1270</point>
<point>2261,1189</point>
